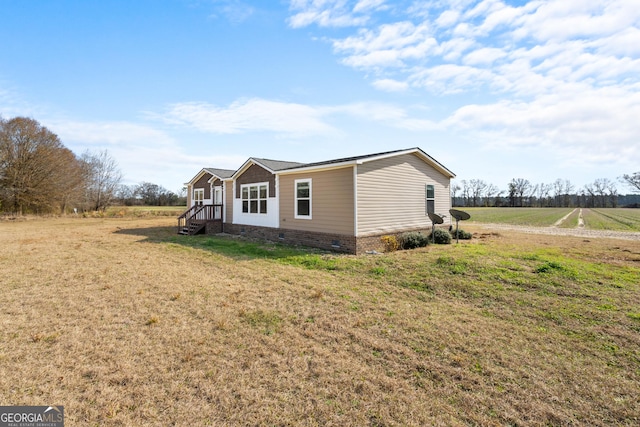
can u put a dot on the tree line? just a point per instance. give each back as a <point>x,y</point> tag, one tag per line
<point>39,175</point>
<point>149,194</point>
<point>521,192</point>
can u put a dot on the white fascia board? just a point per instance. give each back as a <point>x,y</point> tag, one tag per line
<point>214,176</point>
<point>246,165</point>
<point>197,177</point>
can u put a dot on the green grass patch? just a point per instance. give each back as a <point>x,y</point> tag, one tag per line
<point>538,217</point>
<point>268,322</point>
<point>612,219</point>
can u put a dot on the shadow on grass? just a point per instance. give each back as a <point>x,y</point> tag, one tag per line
<point>240,248</point>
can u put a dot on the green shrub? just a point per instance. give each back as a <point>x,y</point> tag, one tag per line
<point>464,235</point>
<point>413,240</point>
<point>440,237</point>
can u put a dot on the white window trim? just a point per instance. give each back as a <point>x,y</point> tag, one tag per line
<point>198,191</point>
<point>427,199</point>
<point>254,184</point>
<point>295,197</point>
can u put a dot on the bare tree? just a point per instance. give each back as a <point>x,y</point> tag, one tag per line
<point>454,192</point>
<point>542,194</point>
<point>569,188</point>
<point>613,193</point>
<point>632,180</point>
<point>518,187</point>
<point>477,188</point>
<point>491,192</point>
<point>37,173</point>
<point>103,179</point>
<point>466,190</point>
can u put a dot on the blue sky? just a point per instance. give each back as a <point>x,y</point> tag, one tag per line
<point>492,89</point>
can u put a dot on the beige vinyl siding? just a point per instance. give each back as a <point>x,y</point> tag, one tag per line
<point>331,202</point>
<point>228,200</point>
<point>391,194</point>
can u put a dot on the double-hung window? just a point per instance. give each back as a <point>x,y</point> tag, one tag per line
<point>430,198</point>
<point>198,196</point>
<point>303,198</point>
<point>254,198</point>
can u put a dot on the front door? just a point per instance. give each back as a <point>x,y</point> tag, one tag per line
<point>217,201</point>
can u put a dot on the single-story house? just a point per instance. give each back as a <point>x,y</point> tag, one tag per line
<point>344,205</point>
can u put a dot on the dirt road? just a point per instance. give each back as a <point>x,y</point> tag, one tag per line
<point>555,231</point>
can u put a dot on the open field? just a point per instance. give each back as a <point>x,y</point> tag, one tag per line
<point>141,211</point>
<point>127,324</point>
<point>618,219</point>
<point>536,217</point>
<point>612,219</point>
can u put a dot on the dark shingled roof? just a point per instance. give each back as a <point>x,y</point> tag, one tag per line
<point>347,159</point>
<point>222,173</point>
<point>278,165</point>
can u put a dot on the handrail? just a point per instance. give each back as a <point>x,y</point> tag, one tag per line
<point>200,213</point>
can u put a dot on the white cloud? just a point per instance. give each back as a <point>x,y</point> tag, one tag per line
<point>364,5</point>
<point>447,18</point>
<point>108,133</point>
<point>248,116</point>
<point>562,76</point>
<point>563,40</point>
<point>484,56</point>
<point>330,13</point>
<point>586,125</point>
<point>390,85</point>
<point>235,11</point>
<point>450,78</point>
<point>389,46</point>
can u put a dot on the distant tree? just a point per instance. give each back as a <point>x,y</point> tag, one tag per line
<point>491,192</point>
<point>613,193</point>
<point>632,180</point>
<point>155,195</point>
<point>103,179</point>
<point>126,195</point>
<point>466,190</point>
<point>542,192</point>
<point>518,187</point>
<point>454,192</point>
<point>477,188</point>
<point>37,172</point>
<point>601,193</point>
<point>182,197</point>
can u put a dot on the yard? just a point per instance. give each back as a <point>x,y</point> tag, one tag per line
<point>125,323</point>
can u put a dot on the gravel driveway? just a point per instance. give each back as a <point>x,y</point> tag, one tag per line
<point>556,231</point>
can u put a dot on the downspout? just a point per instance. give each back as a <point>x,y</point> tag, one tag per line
<point>355,200</point>
<point>224,211</point>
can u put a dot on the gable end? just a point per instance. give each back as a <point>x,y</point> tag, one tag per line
<point>253,174</point>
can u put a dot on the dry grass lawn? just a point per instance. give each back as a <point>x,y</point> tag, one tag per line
<point>126,324</point>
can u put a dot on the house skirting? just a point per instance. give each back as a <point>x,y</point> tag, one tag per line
<point>328,241</point>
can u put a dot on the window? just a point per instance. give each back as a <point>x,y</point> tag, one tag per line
<point>430,197</point>
<point>303,198</point>
<point>198,196</point>
<point>254,198</point>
